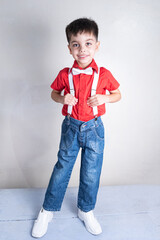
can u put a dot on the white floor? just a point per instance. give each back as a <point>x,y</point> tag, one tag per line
<point>124,212</point>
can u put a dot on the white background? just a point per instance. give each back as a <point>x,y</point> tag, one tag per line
<point>33,49</point>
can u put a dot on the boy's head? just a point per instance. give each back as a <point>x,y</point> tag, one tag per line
<point>81,25</point>
<point>82,36</point>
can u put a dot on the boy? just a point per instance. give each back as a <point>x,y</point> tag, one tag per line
<point>83,102</point>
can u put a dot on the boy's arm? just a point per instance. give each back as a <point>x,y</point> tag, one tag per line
<point>100,99</point>
<point>114,96</point>
<point>68,99</point>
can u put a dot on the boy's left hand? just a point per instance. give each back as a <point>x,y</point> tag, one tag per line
<point>97,100</point>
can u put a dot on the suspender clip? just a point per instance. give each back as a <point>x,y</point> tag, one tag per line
<point>68,116</point>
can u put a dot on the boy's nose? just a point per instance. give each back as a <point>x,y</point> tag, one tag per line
<point>82,49</point>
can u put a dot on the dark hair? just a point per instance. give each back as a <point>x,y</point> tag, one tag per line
<point>81,25</point>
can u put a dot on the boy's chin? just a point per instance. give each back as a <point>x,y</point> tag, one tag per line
<point>84,63</point>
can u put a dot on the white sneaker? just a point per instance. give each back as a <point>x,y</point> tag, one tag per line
<point>91,223</point>
<point>41,224</point>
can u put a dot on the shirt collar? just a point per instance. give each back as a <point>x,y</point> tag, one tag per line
<point>92,64</point>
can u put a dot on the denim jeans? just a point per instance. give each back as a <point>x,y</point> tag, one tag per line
<point>75,134</point>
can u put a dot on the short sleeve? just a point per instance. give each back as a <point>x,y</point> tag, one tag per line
<point>111,83</point>
<point>59,83</point>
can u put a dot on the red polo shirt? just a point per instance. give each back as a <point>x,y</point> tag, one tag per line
<point>83,84</point>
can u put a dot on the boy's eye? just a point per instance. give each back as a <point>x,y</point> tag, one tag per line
<point>88,43</point>
<point>75,45</point>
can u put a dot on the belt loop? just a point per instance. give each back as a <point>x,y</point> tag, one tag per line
<point>68,116</point>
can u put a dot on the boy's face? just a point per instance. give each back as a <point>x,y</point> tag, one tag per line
<point>83,47</point>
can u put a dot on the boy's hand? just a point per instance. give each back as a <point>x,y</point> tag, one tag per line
<point>97,100</point>
<point>69,99</point>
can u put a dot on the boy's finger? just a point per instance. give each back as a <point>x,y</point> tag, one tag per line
<point>91,98</point>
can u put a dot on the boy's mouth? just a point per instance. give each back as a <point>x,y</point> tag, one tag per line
<point>82,56</point>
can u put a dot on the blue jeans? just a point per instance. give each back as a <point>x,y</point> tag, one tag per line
<point>76,134</point>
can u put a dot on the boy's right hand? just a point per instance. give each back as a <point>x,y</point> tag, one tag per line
<point>69,99</point>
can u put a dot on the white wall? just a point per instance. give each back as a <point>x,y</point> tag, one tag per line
<point>33,48</point>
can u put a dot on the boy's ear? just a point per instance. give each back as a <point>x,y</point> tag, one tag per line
<point>69,49</point>
<point>97,45</point>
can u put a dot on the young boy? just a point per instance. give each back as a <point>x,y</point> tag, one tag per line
<point>83,102</point>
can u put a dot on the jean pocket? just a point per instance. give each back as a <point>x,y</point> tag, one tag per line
<point>67,137</point>
<point>65,127</point>
<point>99,131</point>
<point>96,141</point>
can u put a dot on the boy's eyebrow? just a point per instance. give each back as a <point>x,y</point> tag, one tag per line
<point>74,41</point>
<point>90,39</point>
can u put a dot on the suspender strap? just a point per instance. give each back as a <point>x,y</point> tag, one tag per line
<point>70,78</point>
<point>93,90</point>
